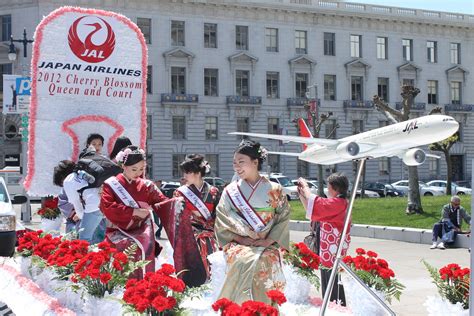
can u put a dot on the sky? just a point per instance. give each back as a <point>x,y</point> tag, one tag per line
<point>459,6</point>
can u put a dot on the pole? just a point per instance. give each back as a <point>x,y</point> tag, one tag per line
<point>471,297</point>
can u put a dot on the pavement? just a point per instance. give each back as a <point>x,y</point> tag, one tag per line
<point>403,257</point>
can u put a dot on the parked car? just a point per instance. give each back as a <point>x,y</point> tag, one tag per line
<point>383,189</point>
<point>8,223</point>
<point>313,186</point>
<point>217,182</point>
<point>455,188</point>
<point>425,190</point>
<point>168,188</point>
<point>465,183</point>
<point>289,188</point>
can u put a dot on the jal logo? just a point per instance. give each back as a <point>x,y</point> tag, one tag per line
<point>91,39</point>
<point>410,126</point>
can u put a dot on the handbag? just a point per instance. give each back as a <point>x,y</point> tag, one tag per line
<point>313,239</point>
<point>448,232</point>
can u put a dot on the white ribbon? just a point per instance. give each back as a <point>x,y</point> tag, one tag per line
<point>196,201</point>
<point>243,206</point>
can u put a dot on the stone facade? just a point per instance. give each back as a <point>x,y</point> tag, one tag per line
<point>287,16</point>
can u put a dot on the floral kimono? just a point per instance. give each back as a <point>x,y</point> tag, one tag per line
<point>199,214</point>
<point>252,271</point>
<point>124,229</point>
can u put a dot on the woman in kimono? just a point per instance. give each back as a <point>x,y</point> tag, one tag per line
<point>196,239</point>
<point>127,202</point>
<point>252,227</point>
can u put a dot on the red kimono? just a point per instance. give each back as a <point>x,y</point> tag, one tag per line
<point>191,253</point>
<point>331,213</point>
<point>123,229</point>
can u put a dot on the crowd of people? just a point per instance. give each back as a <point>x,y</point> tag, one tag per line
<point>248,220</point>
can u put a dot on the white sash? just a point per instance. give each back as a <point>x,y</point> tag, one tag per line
<point>196,201</point>
<point>244,207</point>
<point>121,192</point>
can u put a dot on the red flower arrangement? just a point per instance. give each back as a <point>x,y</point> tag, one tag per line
<point>304,261</point>
<point>250,308</point>
<point>64,259</point>
<point>50,209</point>
<point>102,271</point>
<point>452,282</point>
<point>35,243</point>
<point>156,293</point>
<point>375,273</point>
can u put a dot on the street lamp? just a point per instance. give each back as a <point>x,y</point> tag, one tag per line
<point>12,55</point>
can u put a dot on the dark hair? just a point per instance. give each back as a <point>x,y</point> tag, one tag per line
<point>93,136</point>
<point>194,163</point>
<point>252,149</point>
<point>135,156</point>
<point>120,144</point>
<point>339,183</point>
<point>62,170</point>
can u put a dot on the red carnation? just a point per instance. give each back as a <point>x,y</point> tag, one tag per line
<point>276,296</point>
<point>167,269</point>
<point>360,251</point>
<point>105,277</point>
<point>372,254</point>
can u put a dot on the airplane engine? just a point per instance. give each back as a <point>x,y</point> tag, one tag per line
<point>414,157</point>
<point>348,149</point>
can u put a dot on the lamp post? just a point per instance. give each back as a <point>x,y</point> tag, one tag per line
<point>12,55</point>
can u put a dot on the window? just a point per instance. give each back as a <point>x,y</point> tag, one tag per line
<point>210,35</point>
<point>242,37</point>
<point>211,79</point>
<point>329,44</point>
<point>272,85</point>
<point>382,87</point>
<point>407,49</point>
<point>5,69</point>
<point>301,42</point>
<point>433,165</point>
<point>149,126</point>
<point>242,83</point>
<point>301,85</point>
<point>177,33</point>
<point>149,166</point>
<point>179,127</point>
<point>176,161</point>
<point>384,166</point>
<point>6,24</point>
<point>455,92</point>
<point>149,79</point>
<point>145,26</point>
<point>382,48</point>
<point>330,87</point>
<point>273,162</point>
<point>356,46</point>
<point>302,168</point>
<point>357,126</point>
<point>356,88</point>
<point>243,126</point>
<point>432,51</point>
<point>330,129</point>
<point>271,39</point>
<point>213,160</point>
<point>408,82</point>
<point>178,80</point>
<point>273,124</point>
<point>455,49</point>
<point>432,91</point>
<point>211,127</point>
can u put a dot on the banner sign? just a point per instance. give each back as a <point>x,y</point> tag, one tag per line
<point>10,105</point>
<point>88,76</point>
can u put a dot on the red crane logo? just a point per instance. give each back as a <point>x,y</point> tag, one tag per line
<point>87,50</point>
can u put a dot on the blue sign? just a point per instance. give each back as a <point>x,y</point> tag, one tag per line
<point>23,86</point>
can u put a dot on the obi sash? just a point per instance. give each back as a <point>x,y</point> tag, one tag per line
<point>196,201</point>
<point>241,204</point>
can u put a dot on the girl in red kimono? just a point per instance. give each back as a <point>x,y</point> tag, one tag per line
<point>127,202</point>
<point>331,213</point>
<point>196,239</point>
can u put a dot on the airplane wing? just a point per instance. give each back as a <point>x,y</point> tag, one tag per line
<point>295,139</point>
<point>433,156</point>
<point>284,153</point>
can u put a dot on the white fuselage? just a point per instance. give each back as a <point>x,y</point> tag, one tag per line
<point>387,141</point>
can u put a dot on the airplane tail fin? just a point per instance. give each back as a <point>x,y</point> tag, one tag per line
<point>304,130</point>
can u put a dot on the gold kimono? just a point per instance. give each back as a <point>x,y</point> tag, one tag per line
<point>252,271</point>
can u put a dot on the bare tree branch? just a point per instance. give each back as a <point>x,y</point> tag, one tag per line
<point>393,115</point>
<point>436,110</point>
<point>408,94</point>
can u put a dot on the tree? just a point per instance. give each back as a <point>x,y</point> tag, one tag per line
<point>394,116</point>
<point>444,146</point>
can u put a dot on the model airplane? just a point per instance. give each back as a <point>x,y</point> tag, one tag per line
<point>399,140</point>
